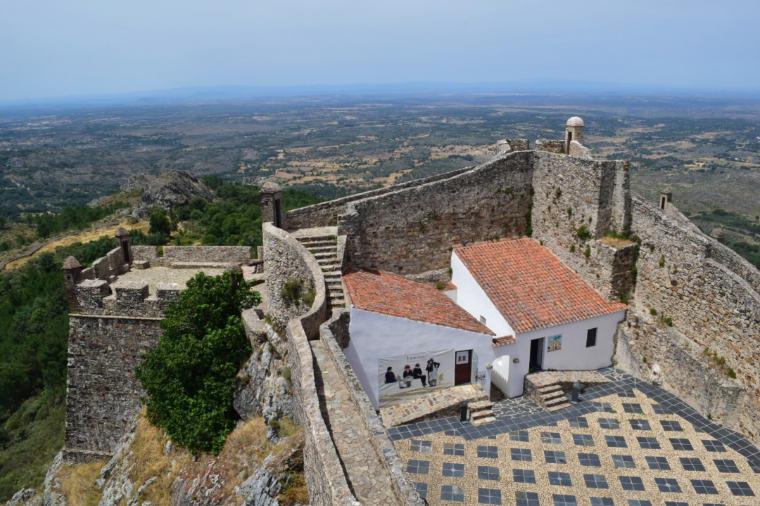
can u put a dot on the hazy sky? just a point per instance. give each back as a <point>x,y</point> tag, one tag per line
<point>52,48</point>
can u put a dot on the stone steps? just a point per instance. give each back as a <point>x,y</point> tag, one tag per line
<point>481,412</point>
<point>552,397</point>
<point>324,248</point>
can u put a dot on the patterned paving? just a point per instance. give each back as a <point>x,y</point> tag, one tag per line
<point>629,443</point>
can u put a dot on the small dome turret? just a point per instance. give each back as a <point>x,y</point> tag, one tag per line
<point>575,121</point>
<point>270,187</point>
<point>71,263</point>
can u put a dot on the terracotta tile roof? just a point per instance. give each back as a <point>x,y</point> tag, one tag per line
<point>530,286</point>
<point>501,341</point>
<point>390,294</point>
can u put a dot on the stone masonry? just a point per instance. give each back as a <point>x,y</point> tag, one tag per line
<point>116,314</point>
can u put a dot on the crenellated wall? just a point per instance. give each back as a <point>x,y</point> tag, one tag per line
<point>97,297</point>
<point>113,322</point>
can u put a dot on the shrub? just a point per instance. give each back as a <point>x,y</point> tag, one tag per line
<point>661,262</point>
<point>160,223</point>
<point>308,298</point>
<point>583,233</point>
<point>652,311</point>
<point>587,252</point>
<point>440,286</point>
<point>190,375</point>
<point>572,248</point>
<point>291,291</point>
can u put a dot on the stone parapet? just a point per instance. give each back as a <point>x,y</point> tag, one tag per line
<point>325,477</point>
<point>208,254</point>
<point>688,282</point>
<point>550,145</point>
<point>379,441</point>
<point>122,298</point>
<point>325,214</point>
<point>412,229</point>
<point>287,260</point>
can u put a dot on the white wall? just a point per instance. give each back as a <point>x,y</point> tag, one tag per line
<point>574,356</point>
<point>471,297</point>
<point>375,335</point>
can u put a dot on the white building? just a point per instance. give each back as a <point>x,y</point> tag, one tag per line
<point>396,322</point>
<point>512,308</point>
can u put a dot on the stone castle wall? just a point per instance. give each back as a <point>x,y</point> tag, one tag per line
<point>379,442</point>
<point>708,294</point>
<point>412,229</point>
<point>170,255</point>
<point>106,267</point>
<point>576,202</point>
<point>287,259</point>
<point>103,393</point>
<point>97,297</point>
<point>325,214</point>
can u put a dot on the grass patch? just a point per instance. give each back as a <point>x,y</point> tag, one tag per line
<point>78,483</point>
<point>31,438</point>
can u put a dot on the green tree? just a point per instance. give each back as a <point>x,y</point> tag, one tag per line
<point>190,375</point>
<point>160,222</point>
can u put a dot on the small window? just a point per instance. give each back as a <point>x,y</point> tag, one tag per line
<point>482,319</point>
<point>591,337</point>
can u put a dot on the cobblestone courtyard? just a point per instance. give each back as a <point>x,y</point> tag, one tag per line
<point>629,443</point>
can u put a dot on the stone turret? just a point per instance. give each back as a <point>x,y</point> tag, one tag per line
<point>123,236</point>
<point>72,274</point>
<point>666,197</point>
<point>573,131</point>
<point>271,204</point>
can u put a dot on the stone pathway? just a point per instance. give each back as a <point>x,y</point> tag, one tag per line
<point>640,450</point>
<point>547,378</point>
<point>620,384</point>
<point>368,478</point>
<point>430,403</point>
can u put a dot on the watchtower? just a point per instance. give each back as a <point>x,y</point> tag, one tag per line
<point>666,197</point>
<point>72,274</point>
<point>573,131</point>
<point>123,238</point>
<point>271,204</point>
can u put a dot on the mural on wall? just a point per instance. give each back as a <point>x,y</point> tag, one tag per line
<point>414,373</point>
<point>555,343</point>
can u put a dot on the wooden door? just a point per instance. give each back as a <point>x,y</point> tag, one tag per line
<point>462,367</point>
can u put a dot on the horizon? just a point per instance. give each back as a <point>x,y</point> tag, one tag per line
<point>79,50</point>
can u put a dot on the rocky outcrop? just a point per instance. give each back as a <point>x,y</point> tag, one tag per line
<point>25,497</point>
<point>263,384</point>
<point>167,190</point>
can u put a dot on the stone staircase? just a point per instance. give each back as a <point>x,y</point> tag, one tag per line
<point>481,412</point>
<point>325,250</point>
<point>552,397</point>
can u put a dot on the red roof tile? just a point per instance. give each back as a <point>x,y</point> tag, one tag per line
<point>390,294</point>
<point>530,286</point>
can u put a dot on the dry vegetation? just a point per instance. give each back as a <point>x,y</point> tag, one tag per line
<point>153,464</point>
<point>78,483</point>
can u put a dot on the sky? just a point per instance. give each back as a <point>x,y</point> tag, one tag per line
<point>64,48</point>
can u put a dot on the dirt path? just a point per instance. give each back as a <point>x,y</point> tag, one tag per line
<point>81,236</point>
